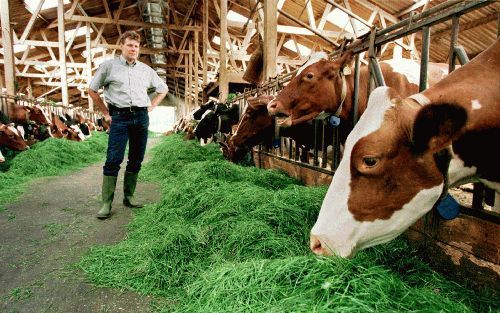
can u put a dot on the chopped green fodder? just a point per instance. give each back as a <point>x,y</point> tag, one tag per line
<point>227,238</point>
<point>49,158</point>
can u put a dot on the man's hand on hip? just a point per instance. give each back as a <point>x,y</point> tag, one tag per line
<point>108,118</point>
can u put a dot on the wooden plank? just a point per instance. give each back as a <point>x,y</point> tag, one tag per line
<point>308,176</point>
<point>105,20</point>
<point>31,22</point>
<point>88,62</point>
<point>62,52</point>
<point>9,68</point>
<point>196,73</point>
<point>205,41</point>
<point>270,38</point>
<point>466,248</point>
<point>223,82</point>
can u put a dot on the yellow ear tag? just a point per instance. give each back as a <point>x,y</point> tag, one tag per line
<point>346,70</point>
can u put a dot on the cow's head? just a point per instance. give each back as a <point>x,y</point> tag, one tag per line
<point>10,137</point>
<point>389,175</point>
<point>254,127</point>
<point>209,105</point>
<point>315,89</point>
<point>38,115</point>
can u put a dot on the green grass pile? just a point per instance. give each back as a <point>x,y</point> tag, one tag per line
<point>49,158</point>
<point>227,238</point>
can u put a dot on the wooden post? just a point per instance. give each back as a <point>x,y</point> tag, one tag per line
<point>270,38</point>
<point>196,73</point>
<point>190,76</point>
<point>89,64</point>
<point>223,79</point>
<point>205,41</point>
<point>186,86</point>
<point>30,89</point>
<point>62,52</point>
<point>8,53</point>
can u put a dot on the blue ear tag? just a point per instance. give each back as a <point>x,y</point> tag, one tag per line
<point>448,208</point>
<point>276,142</point>
<point>334,120</point>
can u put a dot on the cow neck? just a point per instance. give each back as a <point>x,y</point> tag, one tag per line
<point>442,157</point>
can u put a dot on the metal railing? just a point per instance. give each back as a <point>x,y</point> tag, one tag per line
<point>6,101</point>
<point>289,151</point>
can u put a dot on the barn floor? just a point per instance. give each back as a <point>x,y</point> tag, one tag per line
<point>47,230</point>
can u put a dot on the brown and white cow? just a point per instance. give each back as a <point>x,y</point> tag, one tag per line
<point>390,173</point>
<point>324,86</point>
<point>23,114</point>
<point>254,126</point>
<point>11,138</point>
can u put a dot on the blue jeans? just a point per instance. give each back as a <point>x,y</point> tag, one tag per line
<point>126,126</point>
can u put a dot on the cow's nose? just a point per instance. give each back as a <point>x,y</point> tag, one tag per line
<point>317,247</point>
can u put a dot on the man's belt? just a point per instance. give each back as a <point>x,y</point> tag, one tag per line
<point>113,109</point>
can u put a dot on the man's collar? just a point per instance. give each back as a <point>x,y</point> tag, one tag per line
<point>124,62</point>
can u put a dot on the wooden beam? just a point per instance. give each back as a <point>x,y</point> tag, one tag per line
<point>205,41</point>
<point>105,20</point>
<point>288,29</point>
<point>89,63</point>
<point>296,20</point>
<point>31,22</point>
<point>9,68</point>
<point>413,7</point>
<point>223,79</point>
<point>142,50</point>
<point>62,52</point>
<point>196,72</point>
<point>45,63</point>
<point>38,43</point>
<point>270,38</point>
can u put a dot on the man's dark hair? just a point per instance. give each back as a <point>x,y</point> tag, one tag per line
<point>130,34</point>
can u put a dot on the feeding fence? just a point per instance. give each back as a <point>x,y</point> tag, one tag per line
<point>474,218</point>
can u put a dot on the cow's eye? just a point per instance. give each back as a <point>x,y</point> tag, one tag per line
<point>370,161</point>
<point>309,75</point>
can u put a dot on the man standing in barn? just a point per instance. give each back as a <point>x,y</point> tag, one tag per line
<point>126,82</point>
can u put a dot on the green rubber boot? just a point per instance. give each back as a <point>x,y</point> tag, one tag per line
<point>108,193</point>
<point>129,184</point>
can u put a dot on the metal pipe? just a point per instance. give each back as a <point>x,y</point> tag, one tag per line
<point>424,58</point>
<point>453,42</point>
<point>316,143</point>
<point>424,14</point>
<point>461,54</point>
<point>355,101</point>
<point>336,148</point>
<point>324,145</point>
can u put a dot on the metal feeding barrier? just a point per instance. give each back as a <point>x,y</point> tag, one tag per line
<point>288,150</point>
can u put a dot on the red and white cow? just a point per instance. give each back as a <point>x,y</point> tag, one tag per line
<point>390,173</point>
<point>327,86</point>
<point>11,138</point>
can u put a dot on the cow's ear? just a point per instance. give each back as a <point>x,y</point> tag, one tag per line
<point>436,126</point>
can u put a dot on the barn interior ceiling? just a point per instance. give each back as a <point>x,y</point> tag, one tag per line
<point>96,25</point>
